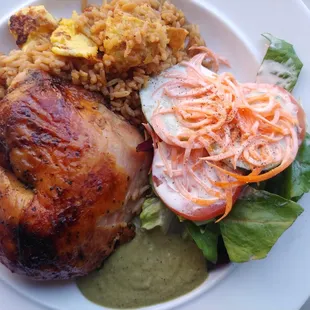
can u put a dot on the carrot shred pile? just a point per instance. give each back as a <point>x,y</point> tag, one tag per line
<point>230,123</point>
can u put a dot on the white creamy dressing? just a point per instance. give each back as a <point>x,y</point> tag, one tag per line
<point>285,99</point>
<point>152,97</point>
<point>271,72</point>
<point>166,188</point>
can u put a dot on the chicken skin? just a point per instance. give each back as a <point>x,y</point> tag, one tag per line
<point>69,171</point>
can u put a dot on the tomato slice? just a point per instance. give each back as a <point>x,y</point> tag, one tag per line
<point>166,189</point>
<point>301,116</point>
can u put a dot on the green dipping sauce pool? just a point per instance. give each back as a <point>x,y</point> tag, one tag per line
<point>150,269</point>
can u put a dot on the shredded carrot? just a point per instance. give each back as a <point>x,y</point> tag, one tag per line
<point>231,123</point>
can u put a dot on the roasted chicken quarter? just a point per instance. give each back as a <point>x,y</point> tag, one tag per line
<point>69,169</point>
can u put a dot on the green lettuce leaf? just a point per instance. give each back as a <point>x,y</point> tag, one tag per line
<point>289,65</point>
<point>155,214</point>
<point>206,239</point>
<point>295,180</point>
<point>255,223</point>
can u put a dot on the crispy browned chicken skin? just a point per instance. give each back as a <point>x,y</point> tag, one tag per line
<point>69,167</point>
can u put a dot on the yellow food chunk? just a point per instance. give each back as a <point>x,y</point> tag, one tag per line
<point>67,41</point>
<point>119,29</point>
<point>30,24</point>
<point>132,41</point>
<point>177,37</point>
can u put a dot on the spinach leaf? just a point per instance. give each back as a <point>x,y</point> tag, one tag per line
<point>281,65</point>
<point>206,239</point>
<point>295,180</point>
<point>203,223</point>
<point>255,223</point>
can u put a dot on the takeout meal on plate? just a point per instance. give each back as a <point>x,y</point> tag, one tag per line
<point>122,133</point>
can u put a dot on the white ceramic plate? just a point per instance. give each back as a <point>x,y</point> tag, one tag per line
<point>232,29</point>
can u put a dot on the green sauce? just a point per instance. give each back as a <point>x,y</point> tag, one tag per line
<point>151,269</point>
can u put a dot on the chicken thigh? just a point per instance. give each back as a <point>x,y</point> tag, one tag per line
<point>69,178</point>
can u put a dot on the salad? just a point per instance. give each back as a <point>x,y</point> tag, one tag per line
<point>231,160</point>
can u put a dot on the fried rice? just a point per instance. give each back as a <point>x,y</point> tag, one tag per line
<point>136,39</point>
